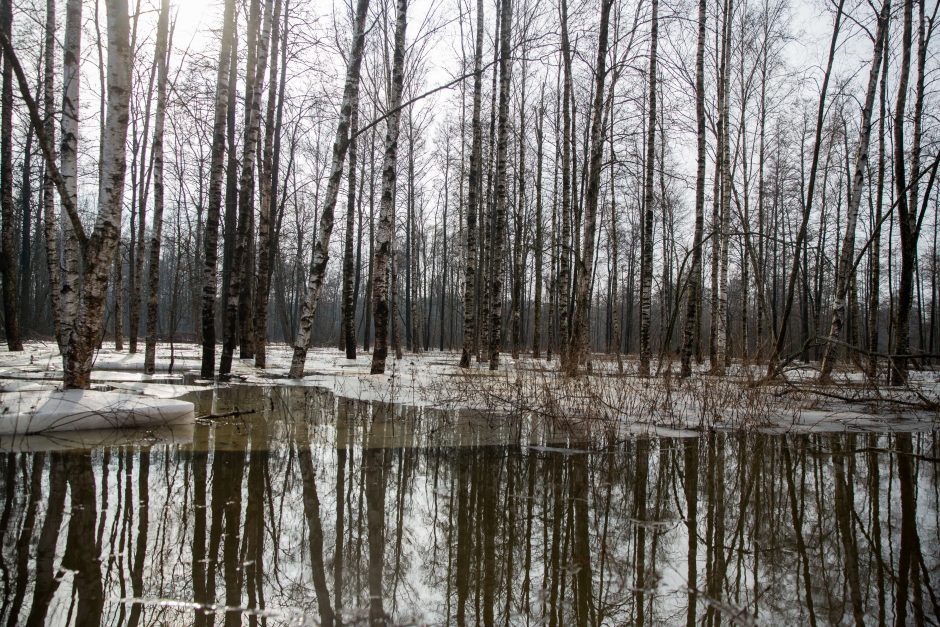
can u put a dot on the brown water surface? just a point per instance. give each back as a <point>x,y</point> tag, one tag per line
<point>318,510</point>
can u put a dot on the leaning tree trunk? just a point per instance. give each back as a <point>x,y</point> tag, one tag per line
<point>694,289</point>
<point>9,273</point>
<point>846,269</point>
<point>783,323</point>
<point>473,200</point>
<point>150,351</point>
<point>237,307</point>
<point>499,221</point>
<point>386,226</point>
<point>646,256</point>
<point>582,317</point>
<point>216,172</point>
<point>321,251</point>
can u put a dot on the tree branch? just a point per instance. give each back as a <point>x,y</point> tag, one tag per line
<point>47,150</point>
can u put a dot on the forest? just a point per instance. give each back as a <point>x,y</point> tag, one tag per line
<point>708,184</point>
<point>490,312</point>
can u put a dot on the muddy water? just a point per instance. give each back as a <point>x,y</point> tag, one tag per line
<point>314,510</point>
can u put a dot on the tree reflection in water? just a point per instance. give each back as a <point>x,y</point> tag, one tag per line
<point>371,514</point>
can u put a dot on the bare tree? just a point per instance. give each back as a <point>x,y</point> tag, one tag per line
<point>694,289</point>
<point>499,219</point>
<point>156,231</point>
<point>386,226</point>
<point>582,320</point>
<point>473,200</point>
<point>847,258</point>
<point>646,256</point>
<point>10,291</point>
<point>321,251</point>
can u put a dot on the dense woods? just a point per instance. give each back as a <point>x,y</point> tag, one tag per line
<point>695,184</point>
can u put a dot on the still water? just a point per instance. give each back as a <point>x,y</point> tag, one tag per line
<point>318,510</point>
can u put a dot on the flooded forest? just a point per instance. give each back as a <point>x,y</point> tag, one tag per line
<point>453,312</point>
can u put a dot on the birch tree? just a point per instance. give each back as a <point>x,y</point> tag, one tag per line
<point>237,307</point>
<point>473,200</point>
<point>646,256</point>
<point>267,191</point>
<point>847,258</point>
<point>582,319</point>
<point>97,249</point>
<point>216,171</point>
<point>321,251</point>
<point>694,289</point>
<point>156,231</point>
<point>385,229</point>
<point>499,219</point>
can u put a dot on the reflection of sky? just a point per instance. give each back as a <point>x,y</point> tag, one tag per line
<point>424,482</point>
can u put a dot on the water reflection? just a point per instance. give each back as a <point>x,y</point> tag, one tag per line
<point>350,513</point>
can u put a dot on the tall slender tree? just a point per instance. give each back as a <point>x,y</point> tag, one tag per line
<point>473,200</point>
<point>846,270</point>
<point>268,198</point>
<point>499,218</point>
<point>238,307</point>
<point>321,251</point>
<point>646,256</point>
<point>582,320</point>
<point>694,289</point>
<point>385,230</point>
<point>156,231</point>
<point>216,171</point>
<point>7,270</point>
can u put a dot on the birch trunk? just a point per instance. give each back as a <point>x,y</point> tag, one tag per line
<point>582,318</point>
<point>518,249</point>
<point>539,235</point>
<point>499,221</point>
<point>646,256</point>
<point>907,208</point>
<point>238,305</point>
<point>216,172</point>
<point>103,241</point>
<point>694,295</point>
<point>68,155</point>
<point>386,225</point>
<point>720,356</point>
<point>48,190</point>
<point>156,231</point>
<point>268,191</point>
<point>846,270</point>
<point>340,145</point>
<point>874,282</point>
<point>564,268</point>
<point>473,200</point>
<point>349,299</point>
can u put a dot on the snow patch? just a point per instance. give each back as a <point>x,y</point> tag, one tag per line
<point>26,413</point>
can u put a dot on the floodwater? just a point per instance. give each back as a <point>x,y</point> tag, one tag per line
<point>318,510</point>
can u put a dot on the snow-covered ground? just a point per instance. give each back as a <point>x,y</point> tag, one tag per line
<point>524,387</point>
